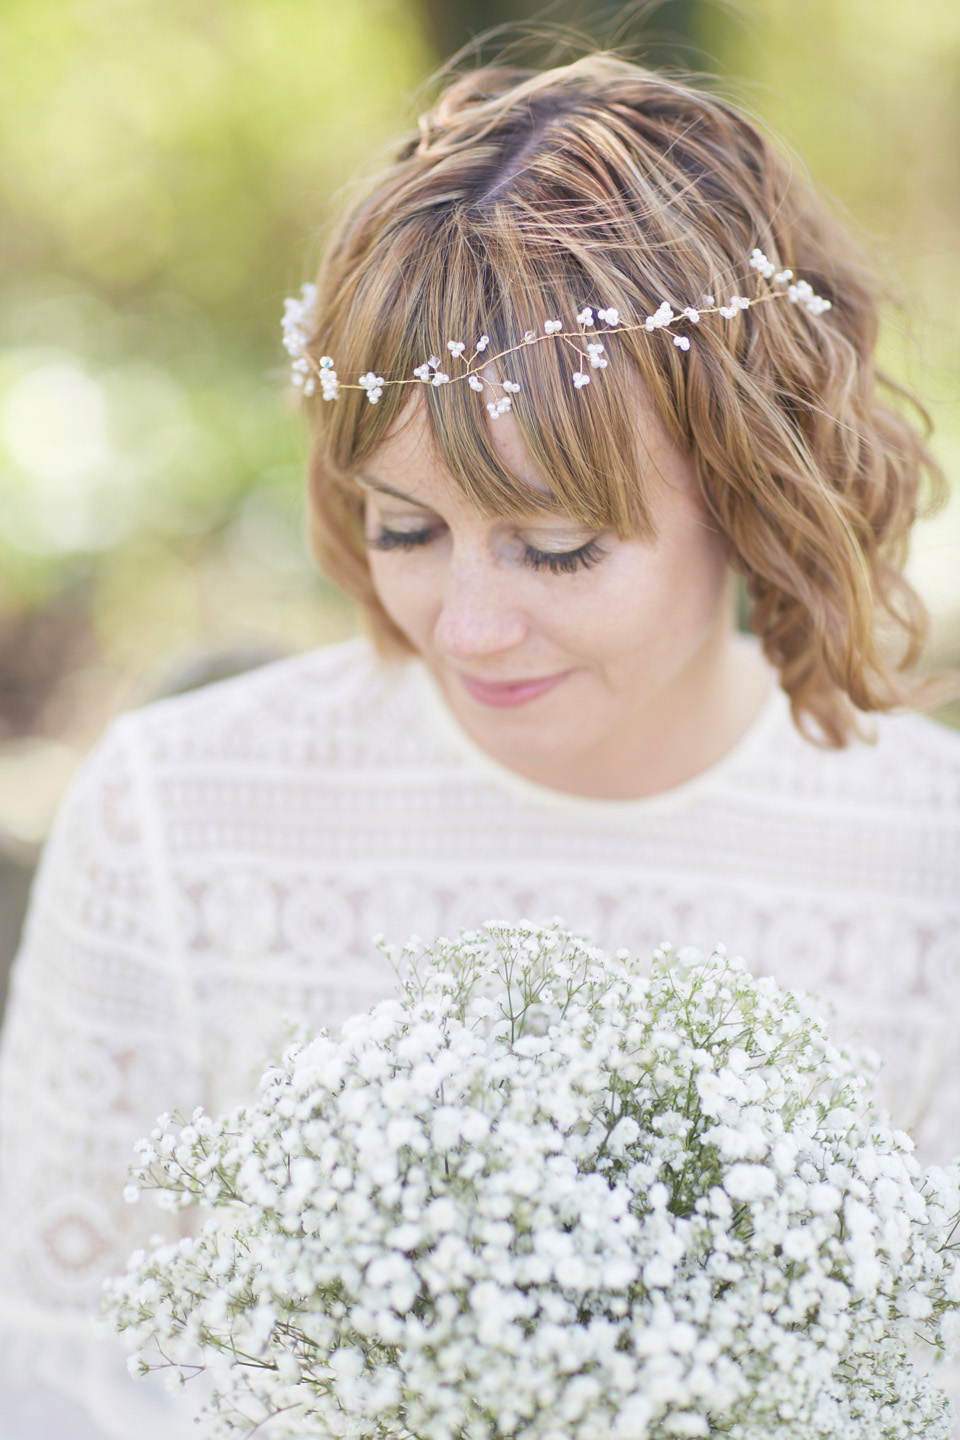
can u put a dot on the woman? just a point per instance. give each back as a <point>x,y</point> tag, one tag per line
<point>561,397</point>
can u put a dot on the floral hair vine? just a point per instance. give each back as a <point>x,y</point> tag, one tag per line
<point>585,341</point>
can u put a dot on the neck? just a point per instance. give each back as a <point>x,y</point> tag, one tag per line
<point>688,727</point>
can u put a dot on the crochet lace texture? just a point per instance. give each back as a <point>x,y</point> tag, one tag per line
<point>225,858</point>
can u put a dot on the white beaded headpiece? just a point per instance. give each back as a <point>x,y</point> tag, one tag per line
<point>585,342</point>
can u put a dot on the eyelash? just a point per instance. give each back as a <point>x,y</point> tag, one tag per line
<point>564,562</point>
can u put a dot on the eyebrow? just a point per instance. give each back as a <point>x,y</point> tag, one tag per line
<point>368,482</point>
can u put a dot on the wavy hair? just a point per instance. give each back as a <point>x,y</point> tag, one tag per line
<point>526,195</point>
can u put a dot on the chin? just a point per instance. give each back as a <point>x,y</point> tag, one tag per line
<point>524,744</point>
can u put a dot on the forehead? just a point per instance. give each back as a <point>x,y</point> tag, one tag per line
<point>409,460</point>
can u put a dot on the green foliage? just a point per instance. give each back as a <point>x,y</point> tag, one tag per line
<point>186,143</point>
<point>866,91</point>
<point>161,169</point>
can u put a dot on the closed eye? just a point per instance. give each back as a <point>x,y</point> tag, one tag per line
<point>557,562</point>
<point>564,562</point>
<point>401,539</point>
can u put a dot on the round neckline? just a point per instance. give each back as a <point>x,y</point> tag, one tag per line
<point>675,797</point>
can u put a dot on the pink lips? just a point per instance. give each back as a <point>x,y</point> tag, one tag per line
<point>508,694</point>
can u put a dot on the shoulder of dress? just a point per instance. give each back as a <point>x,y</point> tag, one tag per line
<point>907,763</point>
<point>919,761</point>
<point>339,705</point>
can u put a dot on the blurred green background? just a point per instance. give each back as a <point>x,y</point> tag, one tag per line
<point>167,168</point>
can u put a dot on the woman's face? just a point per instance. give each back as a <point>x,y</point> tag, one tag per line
<point>576,659</point>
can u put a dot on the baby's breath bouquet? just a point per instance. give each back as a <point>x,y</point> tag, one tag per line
<point>548,1194</point>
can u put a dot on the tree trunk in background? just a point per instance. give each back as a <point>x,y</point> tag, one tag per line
<point>661,33</point>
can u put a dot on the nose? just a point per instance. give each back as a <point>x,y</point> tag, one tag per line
<point>479,615</point>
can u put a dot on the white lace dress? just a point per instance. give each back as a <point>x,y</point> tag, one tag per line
<point>226,857</point>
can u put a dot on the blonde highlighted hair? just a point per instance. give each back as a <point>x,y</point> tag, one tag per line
<point>527,195</point>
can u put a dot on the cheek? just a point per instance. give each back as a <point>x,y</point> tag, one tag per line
<point>661,600</point>
<point>702,572</point>
<point>406,591</point>
<point>694,554</point>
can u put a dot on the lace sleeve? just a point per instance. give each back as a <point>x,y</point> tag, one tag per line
<point>100,1036</point>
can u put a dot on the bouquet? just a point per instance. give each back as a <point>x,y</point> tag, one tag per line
<point>550,1195</point>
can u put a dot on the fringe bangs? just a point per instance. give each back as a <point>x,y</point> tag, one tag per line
<point>490,281</point>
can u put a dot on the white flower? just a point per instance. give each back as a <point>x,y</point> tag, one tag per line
<point>551,327</point>
<point>597,359</point>
<point>663,316</point>
<point>511,386</point>
<point>497,1205</point>
<point>580,378</point>
<point>585,318</point>
<point>802,294</point>
<point>609,317</point>
<point>952,1283</point>
<point>691,314</point>
<point>499,407</point>
<point>329,384</point>
<point>456,348</point>
<point>297,324</point>
<point>483,342</point>
<point>373,384</point>
<point>475,383</point>
<point>429,372</point>
<point>759,261</point>
<point>297,315</point>
<point>750,1182</point>
<point>824,1199</point>
<point>736,304</point>
<point>658,1273</point>
<point>681,342</point>
<point>799,1244</point>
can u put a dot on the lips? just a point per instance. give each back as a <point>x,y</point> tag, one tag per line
<point>507,694</point>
